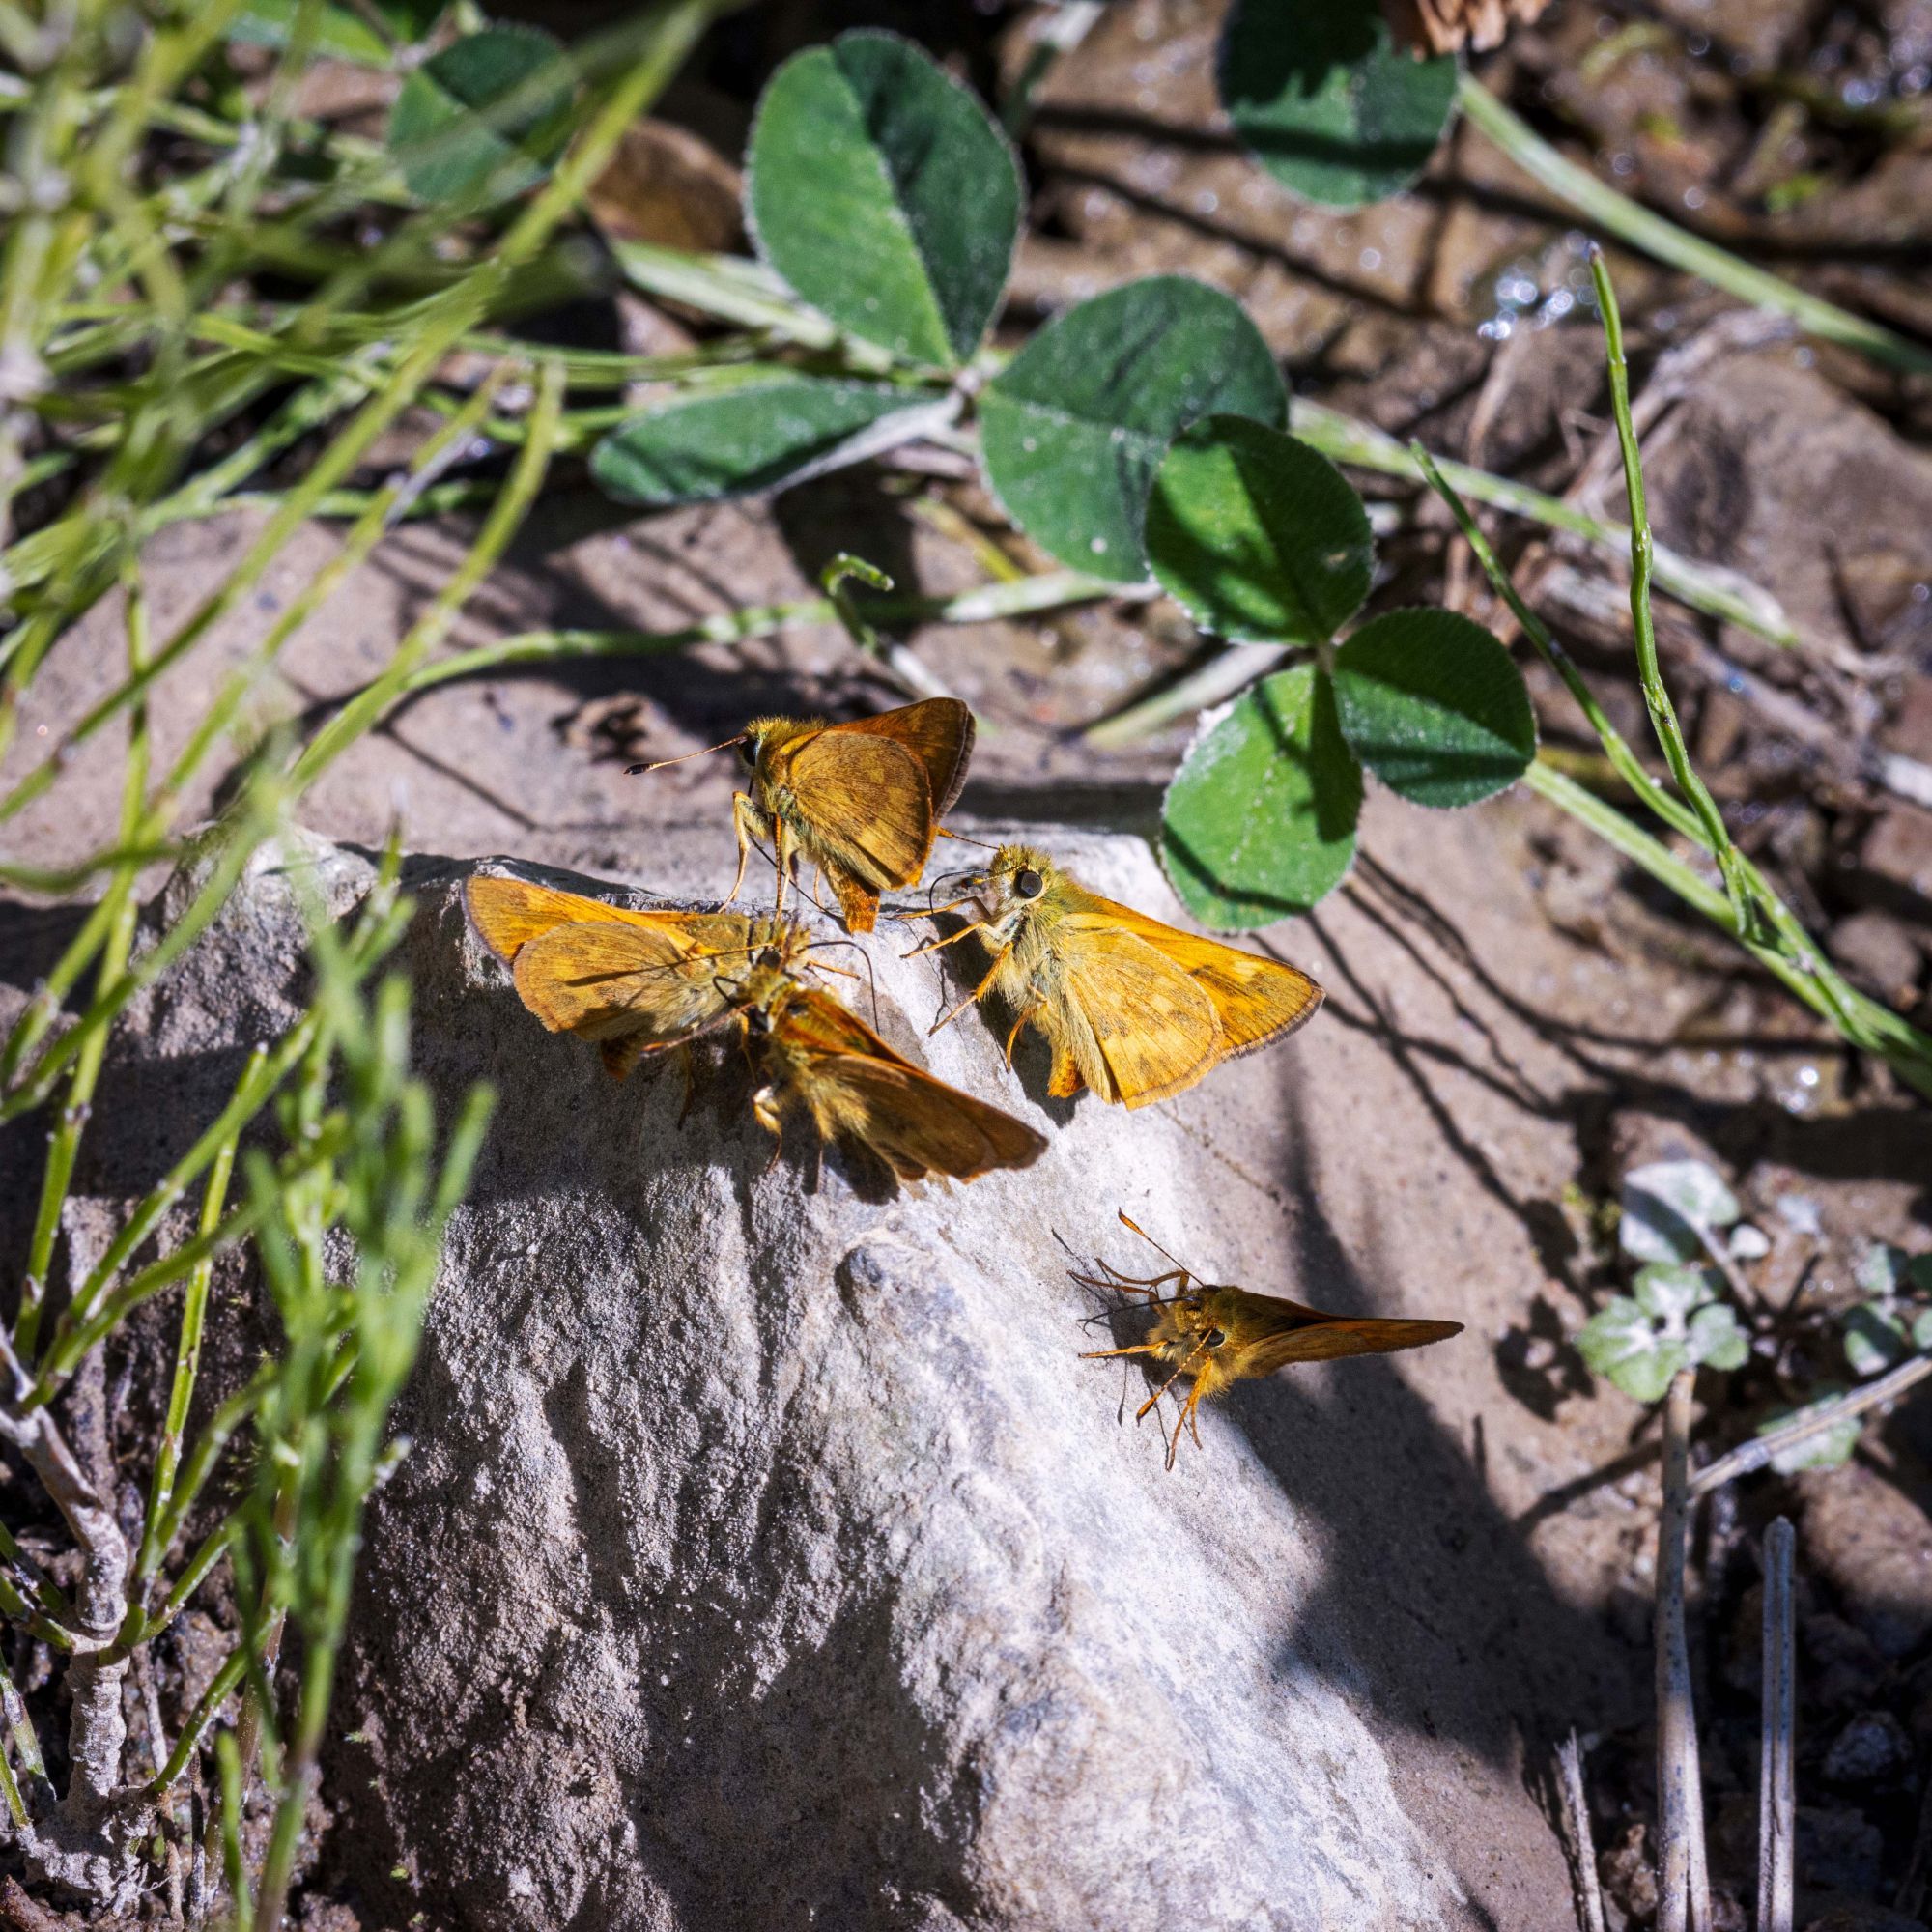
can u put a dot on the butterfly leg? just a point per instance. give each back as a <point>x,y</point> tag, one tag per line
<point>950,939</point>
<point>742,809</point>
<point>930,912</point>
<point>783,849</point>
<point>1013,1038</point>
<point>1126,1284</point>
<point>1146,1285</point>
<point>1189,1417</point>
<point>1180,1367</point>
<point>1138,1349</point>
<point>977,993</point>
<point>772,1120</point>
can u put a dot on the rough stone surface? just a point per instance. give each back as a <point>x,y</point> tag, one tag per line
<point>767,1556</point>
<point>812,1578</point>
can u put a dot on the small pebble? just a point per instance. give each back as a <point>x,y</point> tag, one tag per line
<point>1871,1748</point>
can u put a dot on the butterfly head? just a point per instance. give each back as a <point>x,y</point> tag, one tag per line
<point>1020,877</point>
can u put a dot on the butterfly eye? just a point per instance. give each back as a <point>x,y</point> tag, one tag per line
<point>1027,883</point>
<point>1213,1338</point>
<point>747,752</point>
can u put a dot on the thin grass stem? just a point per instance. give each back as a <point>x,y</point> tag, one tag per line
<point>187,1347</point>
<point>1814,1420</point>
<point>1650,676</point>
<point>506,517</point>
<point>221,1686</point>
<point>64,1143</point>
<point>1708,588</point>
<point>449,439</point>
<point>1050,591</point>
<point>226,1825</point>
<point>24,1745</point>
<point>48,1594</point>
<point>72,1338</point>
<point>234,849</point>
<point>1576,1811</point>
<point>1785,950</point>
<point>1679,1787</point>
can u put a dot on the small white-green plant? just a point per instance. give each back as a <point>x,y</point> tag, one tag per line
<point>1675,1317</point>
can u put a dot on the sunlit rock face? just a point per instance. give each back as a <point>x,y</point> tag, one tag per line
<point>767,1556</point>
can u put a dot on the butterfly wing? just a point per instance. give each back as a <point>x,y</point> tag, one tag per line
<point>1152,1030</point>
<point>508,913</point>
<point>858,1088</point>
<point>938,731</point>
<point>866,806</point>
<point>1254,999</point>
<point>620,982</point>
<point>1266,1332</point>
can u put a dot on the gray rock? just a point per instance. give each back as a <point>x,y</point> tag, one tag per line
<point>767,1556</point>
<point>813,1577</point>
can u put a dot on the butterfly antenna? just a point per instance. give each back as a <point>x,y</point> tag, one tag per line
<point>817,879</point>
<point>983,845</point>
<point>972,877</point>
<point>658,765</point>
<point>1126,1221</point>
<point>818,944</point>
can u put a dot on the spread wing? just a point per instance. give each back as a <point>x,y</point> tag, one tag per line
<point>1254,999</point>
<point>509,913</point>
<point>938,731</point>
<point>916,1125</point>
<point>866,803</point>
<point>604,981</point>
<point>1153,1028</point>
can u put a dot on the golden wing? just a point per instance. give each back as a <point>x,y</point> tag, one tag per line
<point>866,804</point>
<point>817,1021</point>
<point>604,982</point>
<point>938,731</point>
<point>1326,1338</point>
<point>858,1087</point>
<point>1152,1028</point>
<point>1254,999</point>
<point>919,1126</point>
<point>508,913</point>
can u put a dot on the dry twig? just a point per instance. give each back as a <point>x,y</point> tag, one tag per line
<point>1577,1809</point>
<point>1683,1898</point>
<point>1776,1817</point>
<point>1812,1421</point>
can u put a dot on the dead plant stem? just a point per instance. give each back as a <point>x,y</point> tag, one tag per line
<point>1683,1903</point>
<point>1777,1795</point>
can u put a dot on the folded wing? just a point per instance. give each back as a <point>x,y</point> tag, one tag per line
<point>938,731</point>
<point>868,804</point>
<point>859,1086</point>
